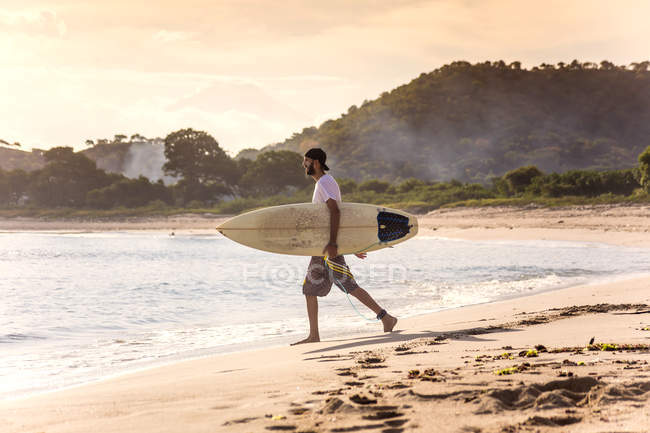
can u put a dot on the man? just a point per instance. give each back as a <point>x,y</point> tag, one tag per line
<point>319,276</point>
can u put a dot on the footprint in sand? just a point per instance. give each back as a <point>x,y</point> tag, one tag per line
<point>240,421</point>
<point>553,421</point>
<point>298,410</point>
<point>356,428</point>
<point>383,414</point>
<point>362,399</point>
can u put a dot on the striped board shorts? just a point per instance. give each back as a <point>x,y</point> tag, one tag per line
<point>320,277</point>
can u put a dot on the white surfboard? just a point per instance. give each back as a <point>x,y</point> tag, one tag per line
<point>304,229</point>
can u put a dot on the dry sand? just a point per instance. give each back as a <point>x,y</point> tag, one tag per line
<point>617,224</point>
<point>437,372</point>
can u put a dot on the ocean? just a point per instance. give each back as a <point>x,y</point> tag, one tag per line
<point>81,307</point>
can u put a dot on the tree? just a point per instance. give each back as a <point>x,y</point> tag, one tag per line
<point>9,144</point>
<point>138,137</point>
<point>272,172</point>
<point>128,193</point>
<point>66,178</point>
<point>197,158</point>
<point>607,65</point>
<point>13,185</point>
<point>644,169</point>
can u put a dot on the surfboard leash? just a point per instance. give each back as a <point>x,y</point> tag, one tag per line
<point>343,269</point>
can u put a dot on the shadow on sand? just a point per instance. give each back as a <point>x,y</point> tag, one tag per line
<point>398,337</point>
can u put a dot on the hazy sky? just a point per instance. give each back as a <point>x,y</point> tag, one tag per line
<point>252,72</point>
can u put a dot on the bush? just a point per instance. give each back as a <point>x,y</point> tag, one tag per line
<point>374,185</point>
<point>520,178</point>
<point>347,186</point>
<point>195,204</point>
<point>585,183</point>
<point>410,185</point>
<point>644,169</point>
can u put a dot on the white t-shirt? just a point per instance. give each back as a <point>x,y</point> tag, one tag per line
<point>326,188</point>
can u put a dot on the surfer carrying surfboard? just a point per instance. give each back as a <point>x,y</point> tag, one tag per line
<point>321,275</point>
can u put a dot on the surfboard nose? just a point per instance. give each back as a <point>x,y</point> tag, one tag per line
<point>224,226</point>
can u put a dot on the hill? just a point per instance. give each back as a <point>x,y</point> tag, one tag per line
<point>473,122</point>
<point>16,159</point>
<point>469,122</point>
<point>132,158</point>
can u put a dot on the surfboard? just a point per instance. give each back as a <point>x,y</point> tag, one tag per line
<point>304,229</point>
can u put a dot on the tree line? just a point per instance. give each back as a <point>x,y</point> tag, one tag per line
<point>209,177</point>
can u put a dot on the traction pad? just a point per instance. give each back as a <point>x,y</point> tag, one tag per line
<point>392,226</point>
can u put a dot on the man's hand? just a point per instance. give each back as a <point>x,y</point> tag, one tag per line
<point>361,255</point>
<point>331,250</point>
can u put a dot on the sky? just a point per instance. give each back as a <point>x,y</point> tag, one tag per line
<point>253,72</point>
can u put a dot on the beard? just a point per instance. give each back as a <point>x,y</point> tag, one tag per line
<point>310,169</point>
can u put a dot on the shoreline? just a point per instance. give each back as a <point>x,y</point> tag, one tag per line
<point>236,391</point>
<point>625,225</point>
<point>251,347</point>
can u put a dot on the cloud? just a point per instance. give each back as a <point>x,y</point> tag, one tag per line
<point>33,21</point>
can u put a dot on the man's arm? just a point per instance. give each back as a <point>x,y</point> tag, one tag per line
<point>335,218</point>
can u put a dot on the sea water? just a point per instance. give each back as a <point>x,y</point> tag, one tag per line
<point>79,307</point>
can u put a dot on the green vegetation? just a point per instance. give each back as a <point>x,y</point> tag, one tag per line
<point>644,169</point>
<point>513,370</point>
<point>532,353</point>
<point>70,184</point>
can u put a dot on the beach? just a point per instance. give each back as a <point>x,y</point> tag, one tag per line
<point>616,224</point>
<point>574,359</point>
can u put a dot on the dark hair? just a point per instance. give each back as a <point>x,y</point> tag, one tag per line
<point>319,155</point>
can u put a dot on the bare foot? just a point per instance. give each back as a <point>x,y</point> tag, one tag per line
<point>309,339</point>
<point>389,322</point>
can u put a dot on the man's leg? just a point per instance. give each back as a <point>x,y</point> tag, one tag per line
<point>341,273</point>
<point>312,313</point>
<point>365,298</point>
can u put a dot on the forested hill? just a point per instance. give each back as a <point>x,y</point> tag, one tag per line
<point>471,122</point>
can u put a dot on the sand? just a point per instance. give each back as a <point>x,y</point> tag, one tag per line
<point>614,224</point>
<point>437,372</point>
<point>617,224</point>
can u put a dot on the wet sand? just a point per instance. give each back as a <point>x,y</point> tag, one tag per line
<point>518,365</point>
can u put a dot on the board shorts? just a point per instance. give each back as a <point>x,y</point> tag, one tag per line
<point>320,277</point>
